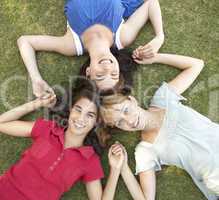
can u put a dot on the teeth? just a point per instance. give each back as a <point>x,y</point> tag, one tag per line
<point>105,61</point>
<point>136,123</point>
<point>78,125</point>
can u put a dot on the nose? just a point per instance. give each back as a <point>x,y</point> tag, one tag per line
<point>131,120</point>
<point>81,118</point>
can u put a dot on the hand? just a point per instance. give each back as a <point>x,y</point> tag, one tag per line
<point>47,101</point>
<point>147,61</point>
<point>41,88</point>
<point>125,163</point>
<point>116,156</point>
<point>148,50</point>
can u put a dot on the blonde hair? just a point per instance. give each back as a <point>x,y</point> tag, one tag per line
<point>106,108</point>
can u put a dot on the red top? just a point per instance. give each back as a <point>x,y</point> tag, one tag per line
<point>46,170</point>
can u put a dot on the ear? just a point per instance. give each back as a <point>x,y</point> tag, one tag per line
<point>133,99</point>
<point>88,71</point>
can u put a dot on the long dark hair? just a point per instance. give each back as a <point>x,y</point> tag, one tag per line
<point>127,68</point>
<point>84,88</point>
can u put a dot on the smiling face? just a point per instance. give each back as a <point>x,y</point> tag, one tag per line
<point>104,71</point>
<point>126,115</point>
<point>83,117</point>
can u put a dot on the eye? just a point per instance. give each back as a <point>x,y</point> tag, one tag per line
<point>90,116</point>
<point>77,109</point>
<point>126,110</point>
<point>119,123</point>
<point>114,74</point>
<point>99,75</point>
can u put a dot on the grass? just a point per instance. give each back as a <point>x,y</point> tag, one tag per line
<point>191,28</point>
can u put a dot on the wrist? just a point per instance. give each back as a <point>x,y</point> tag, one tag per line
<point>36,79</point>
<point>115,170</point>
<point>36,104</point>
<point>125,168</point>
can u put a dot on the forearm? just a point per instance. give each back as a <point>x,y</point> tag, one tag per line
<point>109,190</point>
<point>19,111</point>
<point>178,61</point>
<point>29,57</point>
<point>155,17</point>
<point>148,184</point>
<point>191,69</point>
<point>132,184</point>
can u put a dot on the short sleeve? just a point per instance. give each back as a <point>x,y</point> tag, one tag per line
<point>145,158</point>
<point>165,96</point>
<point>94,170</point>
<point>41,127</point>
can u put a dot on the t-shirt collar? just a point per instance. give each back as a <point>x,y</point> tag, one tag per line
<point>85,151</point>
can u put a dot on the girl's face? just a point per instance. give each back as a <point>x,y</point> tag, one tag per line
<point>83,117</point>
<point>104,71</point>
<point>127,115</point>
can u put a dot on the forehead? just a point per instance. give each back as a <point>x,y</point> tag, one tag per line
<point>113,113</point>
<point>86,104</point>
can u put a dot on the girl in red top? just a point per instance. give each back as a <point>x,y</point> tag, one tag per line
<point>60,157</point>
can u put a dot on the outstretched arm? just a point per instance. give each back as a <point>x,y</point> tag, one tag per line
<point>29,44</point>
<point>148,184</point>
<point>191,69</point>
<point>94,188</point>
<point>9,123</point>
<point>132,184</point>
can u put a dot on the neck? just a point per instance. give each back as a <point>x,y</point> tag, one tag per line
<point>96,35</point>
<point>72,140</point>
<point>153,119</point>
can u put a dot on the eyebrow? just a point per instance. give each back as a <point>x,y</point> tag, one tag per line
<point>93,113</point>
<point>78,106</point>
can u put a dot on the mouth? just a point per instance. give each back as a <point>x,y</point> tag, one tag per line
<point>137,122</point>
<point>105,61</point>
<point>78,125</point>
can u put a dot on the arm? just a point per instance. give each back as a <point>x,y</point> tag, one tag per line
<point>94,189</point>
<point>191,68</point>
<point>148,184</point>
<point>132,184</point>
<point>9,123</point>
<point>130,180</point>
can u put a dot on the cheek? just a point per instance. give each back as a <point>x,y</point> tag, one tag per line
<point>91,123</point>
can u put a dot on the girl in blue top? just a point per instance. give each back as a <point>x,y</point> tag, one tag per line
<point>95,26</point>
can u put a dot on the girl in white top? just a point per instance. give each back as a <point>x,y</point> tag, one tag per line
<point>172,133</point>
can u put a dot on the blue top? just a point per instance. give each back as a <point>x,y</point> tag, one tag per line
<point>186,139</point>
<point>81,14</point>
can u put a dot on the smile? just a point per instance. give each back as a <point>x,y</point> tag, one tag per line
<point>137,122</point>
<point>105,61</point>
<point>78,125</point>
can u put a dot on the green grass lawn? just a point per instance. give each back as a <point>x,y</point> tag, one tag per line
<point>191,28</point>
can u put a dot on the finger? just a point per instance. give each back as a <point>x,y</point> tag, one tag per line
<point>46,95</point>
<point>110,152</point>
<point>118,151</point>
<point>118,148</point>
<point>50,90</point>
<point>145,52</point>
<point>151,55</point>
<point>140,47</point>
<point>139,61</point>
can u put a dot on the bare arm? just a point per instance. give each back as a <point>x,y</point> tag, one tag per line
<point>148,184</point>
<point>9,123</point>
<point>132,184</point>
<point>94,188</point>
<point>191,69</point>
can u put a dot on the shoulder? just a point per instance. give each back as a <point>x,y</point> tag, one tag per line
<point>165,95</point>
